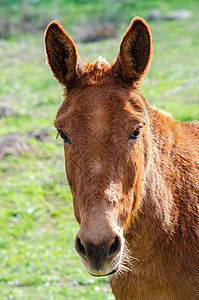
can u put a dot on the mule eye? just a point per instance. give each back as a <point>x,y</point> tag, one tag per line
<point>134,135</point>
<point>64,136</point>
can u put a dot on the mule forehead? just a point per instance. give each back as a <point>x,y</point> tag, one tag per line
<point>99,103</point>
<point>99,121</point>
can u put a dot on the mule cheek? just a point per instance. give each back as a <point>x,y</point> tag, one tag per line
<point>72,181</point>
<point>124,211</point>
<point>127,203</point>
<point>76,210</point>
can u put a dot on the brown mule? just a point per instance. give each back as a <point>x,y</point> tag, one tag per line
<point>132,169</point>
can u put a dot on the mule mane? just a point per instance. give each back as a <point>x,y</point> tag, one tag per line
<point>101,62</point>
<point>95,72</point>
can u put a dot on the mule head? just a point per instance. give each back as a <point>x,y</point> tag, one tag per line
<point>103,122</point>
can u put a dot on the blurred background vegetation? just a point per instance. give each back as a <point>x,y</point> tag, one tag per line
<point>37,256</point>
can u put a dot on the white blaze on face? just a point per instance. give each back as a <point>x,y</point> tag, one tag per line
<point>112,192</point>
<point>97,167</point>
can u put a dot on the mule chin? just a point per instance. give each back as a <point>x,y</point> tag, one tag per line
<point>102,275</point>
<point>104,271</point>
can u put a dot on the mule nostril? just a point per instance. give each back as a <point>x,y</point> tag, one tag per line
<point>115,247</point>
<point>80,247</point>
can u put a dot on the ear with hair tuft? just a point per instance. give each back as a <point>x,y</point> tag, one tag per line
<point>61,54</point>
<point>135,52</point>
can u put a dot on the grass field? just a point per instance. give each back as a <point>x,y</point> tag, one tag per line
<point>37,256</point>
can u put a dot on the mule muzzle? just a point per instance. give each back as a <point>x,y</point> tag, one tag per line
<point>100,258</point>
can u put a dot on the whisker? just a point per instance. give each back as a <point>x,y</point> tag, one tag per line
<point>126,260</point>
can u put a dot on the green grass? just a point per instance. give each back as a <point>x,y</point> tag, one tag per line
<point>38,260</point>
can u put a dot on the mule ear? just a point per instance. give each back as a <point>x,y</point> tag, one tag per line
<point>61,53</point>
<point>135,52</point>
